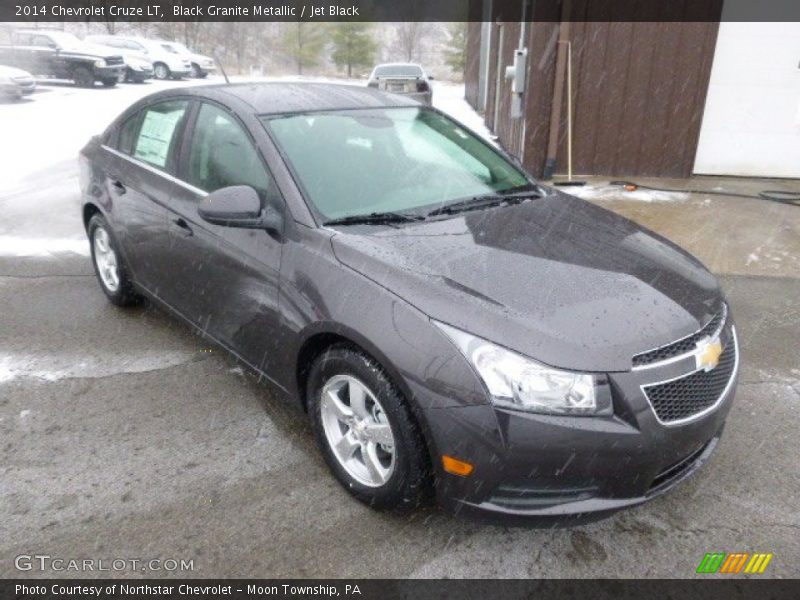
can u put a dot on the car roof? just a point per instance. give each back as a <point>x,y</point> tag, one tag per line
<point>42,31</point>
<point>399,64</point>
<point>296,97</point>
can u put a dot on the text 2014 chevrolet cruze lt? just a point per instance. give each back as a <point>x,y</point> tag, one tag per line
<point>448,323</point>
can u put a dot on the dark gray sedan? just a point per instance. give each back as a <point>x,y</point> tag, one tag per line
<point>450,325</point>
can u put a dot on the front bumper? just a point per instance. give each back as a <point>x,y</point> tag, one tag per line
<point>117,71</point>
<point>533,465</point>
<point>141,73</point>
<point>10,91</point>
<point>181,71</point>
<point>17,89</point>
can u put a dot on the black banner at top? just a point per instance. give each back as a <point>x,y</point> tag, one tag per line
<point>32,11</point>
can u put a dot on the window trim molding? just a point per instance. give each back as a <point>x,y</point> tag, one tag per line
<point>155,170</point>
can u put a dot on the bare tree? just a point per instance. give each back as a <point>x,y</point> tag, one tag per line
<point>410,39</point>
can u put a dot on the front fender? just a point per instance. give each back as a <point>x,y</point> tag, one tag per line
<point>320,295</point>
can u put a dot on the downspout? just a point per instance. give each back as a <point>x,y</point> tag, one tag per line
<point>558,93</point>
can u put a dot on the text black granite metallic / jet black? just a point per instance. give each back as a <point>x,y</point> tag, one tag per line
<point>451,326</point>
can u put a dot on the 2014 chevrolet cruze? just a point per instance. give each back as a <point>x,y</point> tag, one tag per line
<point>448,323</point>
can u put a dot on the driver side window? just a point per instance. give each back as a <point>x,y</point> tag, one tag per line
<point>222,154</point>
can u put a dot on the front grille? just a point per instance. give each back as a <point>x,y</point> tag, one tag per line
<point>687,396</point>
<point>683,345</point>
<point>114,60</point>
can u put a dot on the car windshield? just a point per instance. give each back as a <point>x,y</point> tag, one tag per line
<point>169,48</point>
<point>398,71</point>
<point>366,161</point>
<point>64,39</point>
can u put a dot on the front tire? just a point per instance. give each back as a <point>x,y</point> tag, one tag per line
<point>110,81</point>
<point>83,77</point>
<point>161,71</point>
<point>108,264</point>
<point>365,430</point>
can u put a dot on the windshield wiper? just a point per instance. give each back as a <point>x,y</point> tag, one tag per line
<point>375,218</point>
<point>484,201</point>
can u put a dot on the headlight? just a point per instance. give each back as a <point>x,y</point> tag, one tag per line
<point>515,381</point>
<point>100,63</point>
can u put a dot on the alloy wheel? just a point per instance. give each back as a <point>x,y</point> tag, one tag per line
<point>357,430</point>
<point>105,259</point>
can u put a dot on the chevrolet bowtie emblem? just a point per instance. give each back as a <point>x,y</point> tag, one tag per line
<point>708,352</point>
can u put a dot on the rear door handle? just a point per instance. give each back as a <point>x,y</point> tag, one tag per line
<point>119,187</point>
<point>183,227</point>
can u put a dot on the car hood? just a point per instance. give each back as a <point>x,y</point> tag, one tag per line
<point>558,279</point>
<point>13,72</point>
<point>90,49</point>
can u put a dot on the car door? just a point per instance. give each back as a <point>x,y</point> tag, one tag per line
<point>44,56</point>
<point>226,279</point>
<point>139,181</point>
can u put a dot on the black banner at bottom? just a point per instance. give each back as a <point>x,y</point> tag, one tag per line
<point>411,589</point>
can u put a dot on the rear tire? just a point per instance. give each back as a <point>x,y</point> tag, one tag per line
<point>382,469</point>
<point>83,77</point>
<point>108,264</point>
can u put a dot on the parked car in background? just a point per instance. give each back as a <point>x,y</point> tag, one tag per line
<point>403,78</point>
<point>201,65</point>
<point>166,64</point>
<point>138,67</point>
<point>15,83</point>
<point>450,325</point>
<point>61,55</point>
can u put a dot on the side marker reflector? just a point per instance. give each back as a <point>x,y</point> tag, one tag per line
<point>455,466</point>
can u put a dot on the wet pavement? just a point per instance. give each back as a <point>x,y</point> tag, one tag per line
<point>124,435</point>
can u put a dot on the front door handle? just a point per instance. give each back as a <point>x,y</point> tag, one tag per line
<point>119,187</point>
<point>183,227</point>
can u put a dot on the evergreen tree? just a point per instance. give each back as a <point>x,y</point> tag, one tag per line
<point>455,54</point>
<point>353,45</point>
<point>303,42</point>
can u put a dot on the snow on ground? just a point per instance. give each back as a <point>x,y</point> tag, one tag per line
<point>56,367</point>
<point>615,192</point>
<point>19,246</point>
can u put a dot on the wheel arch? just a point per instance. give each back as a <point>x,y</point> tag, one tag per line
<point>321,336</point>
<point>90,209</point>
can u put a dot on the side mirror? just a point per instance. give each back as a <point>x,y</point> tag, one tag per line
<point>431,77</point>
<point>239,206</point>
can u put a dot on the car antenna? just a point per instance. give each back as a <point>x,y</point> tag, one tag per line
<point>221,68</point>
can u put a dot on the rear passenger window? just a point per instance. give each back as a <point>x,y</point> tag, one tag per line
<point>223,155</point>
<point>158,133</point>
<point>127,134</point>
